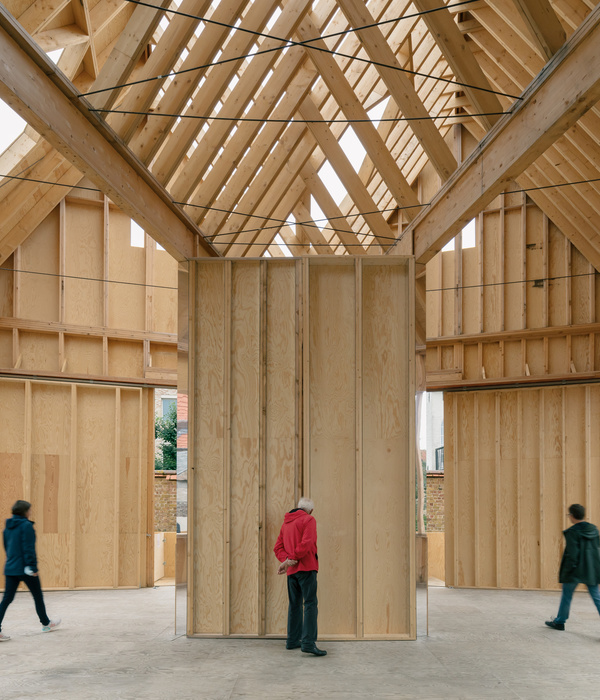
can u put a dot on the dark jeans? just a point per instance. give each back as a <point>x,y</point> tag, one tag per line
<point>34,585</point>
<point>567,595</point>
<point>302,609</point>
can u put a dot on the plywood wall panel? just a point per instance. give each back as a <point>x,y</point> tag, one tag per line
<point>513,270</point>
<point>246,410</point>
<point>95,503</point>
<point>89,513</point>
<point>6,348</point>
<point>448,295</point>
<point>493,254</point>
<point>529,488</point>
<point>536,267</point>
<point>486,490</point>
<point>209,409</point>
<point>332,408</point>
<point>38,351</point>
<point>507,487</point>
<point>164,293</point>
<point>284,369</point>
<point>84,258</point>
<point>520,457</point>
<point>7,277</point>
<point>130,480</point>
<point>281,427</point>
<point>385,407</point>
<point>39,295</point>
<point>464,505</point>
<point>553,486</point>
<point>127,264</point>
<point>125,359</point>
<point>84,355</point>
<point>471,294</point>
<point>558,311</point>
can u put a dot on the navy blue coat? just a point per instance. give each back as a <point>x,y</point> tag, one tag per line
<point>19,543</point>
<point>581,559</point>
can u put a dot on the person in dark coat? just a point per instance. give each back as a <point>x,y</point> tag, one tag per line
<point>296,549</point>
<point>580,563</point>
<point>21,565</point>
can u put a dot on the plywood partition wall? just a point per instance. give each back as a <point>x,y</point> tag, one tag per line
<point>79,454</point>
<point>514,462</point>
<point>302,384</point>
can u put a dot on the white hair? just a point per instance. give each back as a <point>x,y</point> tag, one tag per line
<point>306,504</point>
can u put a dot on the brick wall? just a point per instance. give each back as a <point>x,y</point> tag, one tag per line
<point>434,508</point>
<point>165,502</point>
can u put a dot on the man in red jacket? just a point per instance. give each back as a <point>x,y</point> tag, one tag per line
<point>296,549</point>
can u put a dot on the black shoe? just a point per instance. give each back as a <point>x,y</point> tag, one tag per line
<point>292,646</point>
<point>555,625</point>
<point>313,650</point>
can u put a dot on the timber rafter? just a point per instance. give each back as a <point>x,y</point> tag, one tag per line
<point>244,182</point>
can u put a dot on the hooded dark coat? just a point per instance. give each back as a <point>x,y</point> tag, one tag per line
<point>581,558</point>
<point>19,543</point>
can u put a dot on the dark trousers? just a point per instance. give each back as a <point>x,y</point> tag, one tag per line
<point>34,585</point>
<point>302,609</point>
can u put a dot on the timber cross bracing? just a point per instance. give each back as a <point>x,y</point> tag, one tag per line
<point>233,140</point>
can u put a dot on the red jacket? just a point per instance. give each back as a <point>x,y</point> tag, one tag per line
<point>298,540</point>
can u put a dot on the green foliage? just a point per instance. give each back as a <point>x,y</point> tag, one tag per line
<point>165,429</point>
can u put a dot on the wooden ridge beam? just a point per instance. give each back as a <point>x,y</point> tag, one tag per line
<point>30,84</point>
<point>555,100</point>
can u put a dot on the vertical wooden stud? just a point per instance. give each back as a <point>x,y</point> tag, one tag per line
<point>477,533</point>
<point>62,253</point>
<point>262,452</point>
<point>27,436</point>
<point>360,628</point>
<point>227,449</point>
<point>73,488</point>
<point>117,485</point>
<point>106,262</point>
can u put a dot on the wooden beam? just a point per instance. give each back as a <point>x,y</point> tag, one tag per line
<point>400,87</point>
<point>457,53</point>
<point>544,25</point>
<point>370,138</point>
<point>51,104</point>
<point>565,91</point>
<point>344,170</point>
<point>126,54</point>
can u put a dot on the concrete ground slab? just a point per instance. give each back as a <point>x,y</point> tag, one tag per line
<point>120,645</point>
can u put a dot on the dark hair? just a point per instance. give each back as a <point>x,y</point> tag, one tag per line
<point>577,511</point>
<point>21,507</point>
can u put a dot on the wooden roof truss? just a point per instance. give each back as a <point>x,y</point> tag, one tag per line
<point>233,149</point>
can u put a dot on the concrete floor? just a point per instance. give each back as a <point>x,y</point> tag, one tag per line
<point>121,644</point>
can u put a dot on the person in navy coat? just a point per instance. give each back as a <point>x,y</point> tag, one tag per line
<point>21,565</point>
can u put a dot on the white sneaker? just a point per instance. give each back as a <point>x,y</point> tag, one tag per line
<point>4,637</point>
<point>52,626</point>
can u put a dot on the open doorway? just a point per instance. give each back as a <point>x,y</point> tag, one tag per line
<point>431,444</point>
<point>165,486</point>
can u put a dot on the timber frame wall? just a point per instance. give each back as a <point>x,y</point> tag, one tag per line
<point>301,383</point>
<point>77,301</point>
<point>515,457</point>
<point>87,329</point>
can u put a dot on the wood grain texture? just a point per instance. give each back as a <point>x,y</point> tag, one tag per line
<point>299,365</point>
<point>534,456</point>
